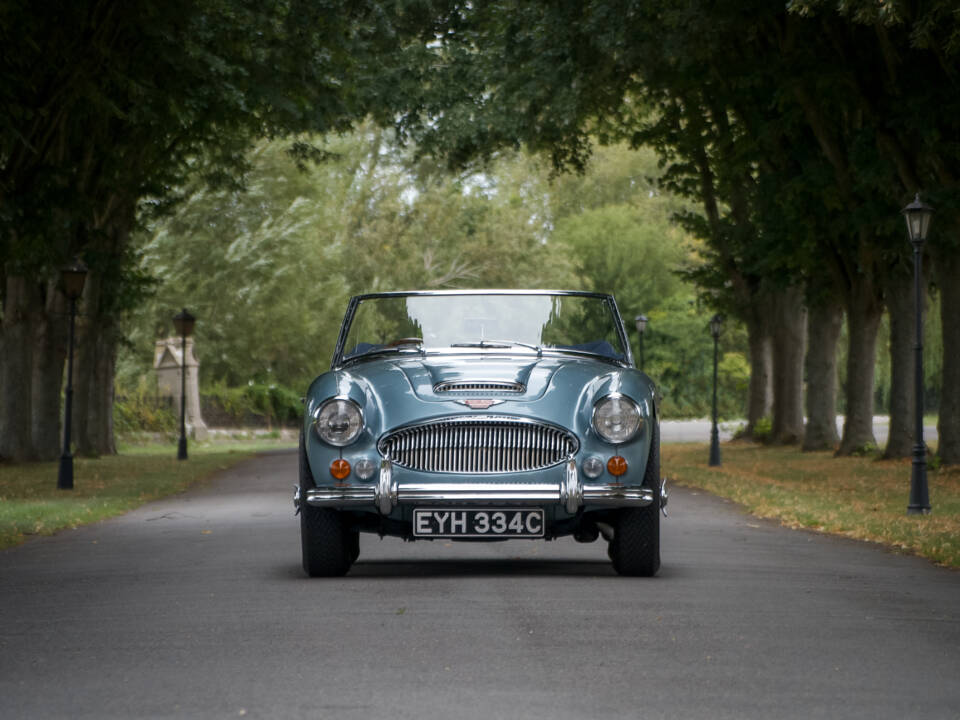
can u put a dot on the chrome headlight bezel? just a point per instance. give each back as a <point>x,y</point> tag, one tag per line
<point>326,409</point>
<point>631,429</point>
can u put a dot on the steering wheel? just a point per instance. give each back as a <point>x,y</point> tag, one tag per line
<point>406,341</point>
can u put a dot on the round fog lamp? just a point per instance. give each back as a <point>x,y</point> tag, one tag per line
<point>364,468</point>
<point>593,467</point>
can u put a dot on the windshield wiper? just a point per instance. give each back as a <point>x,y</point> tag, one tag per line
<point>499,344</point>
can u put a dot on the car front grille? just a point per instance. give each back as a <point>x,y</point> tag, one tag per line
<point>472,445</point>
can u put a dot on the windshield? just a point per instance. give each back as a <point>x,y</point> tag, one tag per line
<point>484,322</point>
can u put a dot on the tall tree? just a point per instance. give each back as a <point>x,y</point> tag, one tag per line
<point>108,103</point>
<point>896,65</point>
<point>801,78</point>
<point>269,269</point>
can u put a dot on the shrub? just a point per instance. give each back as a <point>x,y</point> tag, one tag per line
<point>763,430</point>
<point>253,404</point>
<point>140,410</point>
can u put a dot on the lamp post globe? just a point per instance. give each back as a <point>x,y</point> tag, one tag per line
<point>716,327</point>
<point>183,322</point>
<point>917,215</point>
<point>641,322</point>
<point>72,278</point>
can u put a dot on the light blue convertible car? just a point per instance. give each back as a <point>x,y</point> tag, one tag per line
<point>481,415</point>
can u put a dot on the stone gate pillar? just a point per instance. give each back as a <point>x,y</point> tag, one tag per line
<point>168,364</point>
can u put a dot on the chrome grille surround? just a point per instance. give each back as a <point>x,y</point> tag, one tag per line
<point>471,445</point>
<point>479,386</point>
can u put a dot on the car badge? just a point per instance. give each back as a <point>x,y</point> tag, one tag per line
<point>480,403</point>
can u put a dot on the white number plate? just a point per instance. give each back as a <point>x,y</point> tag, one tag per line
<point>477,523</point>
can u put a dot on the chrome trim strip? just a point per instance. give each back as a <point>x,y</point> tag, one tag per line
<point>570,492</point>
<point>481,291</point>
<point>617,495</point>
<point>479,386</point>
<point>621,329</point>
<point>341,497</point>
<point>523,493</point>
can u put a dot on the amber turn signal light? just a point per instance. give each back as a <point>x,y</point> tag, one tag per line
<point>340,468</point>
<point>617,466</point>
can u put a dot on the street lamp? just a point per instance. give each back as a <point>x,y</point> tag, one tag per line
<point>183,321</point>
<point>72,278</point>
<point>641,321</point>
<point>716,327</point>
<point>918,215</point>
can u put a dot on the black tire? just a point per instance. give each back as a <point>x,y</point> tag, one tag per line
<point>329,546</point>
<point>635,548</point>
<point>326,543</point>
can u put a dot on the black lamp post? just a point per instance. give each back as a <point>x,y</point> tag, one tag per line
<point>716,326</point>
<point>641,321</point>
<point>183,321</point>
<point>72,278</point>
<point>918,223</point>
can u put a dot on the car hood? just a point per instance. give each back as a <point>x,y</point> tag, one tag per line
<point>397,391</point>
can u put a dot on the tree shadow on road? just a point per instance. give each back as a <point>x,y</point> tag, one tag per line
<point>481,568</point>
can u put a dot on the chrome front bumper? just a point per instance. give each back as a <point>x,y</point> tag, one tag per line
<point>570,492</point>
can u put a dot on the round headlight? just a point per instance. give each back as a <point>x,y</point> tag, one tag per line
<point>339,422</point>
<point>616,418</point>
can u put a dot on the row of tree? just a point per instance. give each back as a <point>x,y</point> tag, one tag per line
<point>108,107</point>
<point>268,271</point>
<point>799,128</point>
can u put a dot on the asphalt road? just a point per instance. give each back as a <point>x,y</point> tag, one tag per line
<point>197,607</point>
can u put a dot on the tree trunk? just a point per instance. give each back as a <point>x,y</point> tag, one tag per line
<point>825,322</point>
<point>864,311</point>
<point>50,332</point>
<point>95,352</point>
<point>760,393</point>
<point>107,293</point>
<point>947,269</point>
<point>789,339</point>
<point>16,352</point>
<point>903,328</point>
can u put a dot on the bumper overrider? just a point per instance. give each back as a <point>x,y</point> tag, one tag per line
<point>569,492</point>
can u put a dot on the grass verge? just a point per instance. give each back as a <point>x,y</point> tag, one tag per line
<point>31,504</point>
<point>858,497</point>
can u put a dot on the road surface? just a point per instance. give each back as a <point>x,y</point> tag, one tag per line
<point>196,607</point>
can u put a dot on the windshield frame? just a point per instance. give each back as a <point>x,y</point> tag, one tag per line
<point>609,300</point>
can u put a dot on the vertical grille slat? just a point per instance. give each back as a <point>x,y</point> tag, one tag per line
<point>471,445</point>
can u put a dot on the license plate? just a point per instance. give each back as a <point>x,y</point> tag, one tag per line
<point>478,523</point>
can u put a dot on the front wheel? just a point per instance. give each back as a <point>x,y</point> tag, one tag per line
<point>329,546</point>
<point>635,547</point>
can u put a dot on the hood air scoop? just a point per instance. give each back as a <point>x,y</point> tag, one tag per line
<point>478,386</point>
